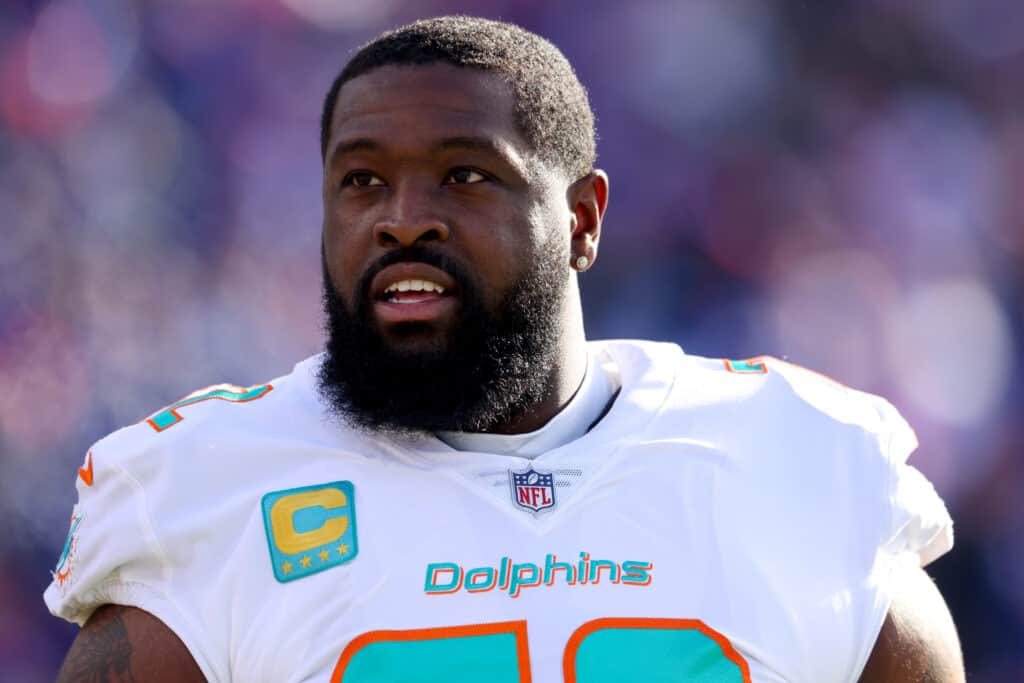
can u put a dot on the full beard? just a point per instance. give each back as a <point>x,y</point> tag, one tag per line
<point>493,366</point>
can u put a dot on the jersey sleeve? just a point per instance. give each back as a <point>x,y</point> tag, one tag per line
<point>919,523</point>
<point>113,555</point>
<point>870,512</point>
<point>919,528</point>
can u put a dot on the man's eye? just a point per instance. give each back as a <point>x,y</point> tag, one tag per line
<point>361,179</point>
<point>464,176</point>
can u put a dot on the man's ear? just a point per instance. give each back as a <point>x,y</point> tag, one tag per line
<point>588,198</point>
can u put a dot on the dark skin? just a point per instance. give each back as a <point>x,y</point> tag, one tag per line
<point>417,155</point>
<point>124,645</point>
<point>432,154</point>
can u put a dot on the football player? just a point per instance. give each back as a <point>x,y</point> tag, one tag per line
<point>462,487</point>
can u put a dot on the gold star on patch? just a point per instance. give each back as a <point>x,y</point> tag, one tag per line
<point>305,560</point>
<point>324,554</point>
<point>287,567</point>
<point>342,549</point>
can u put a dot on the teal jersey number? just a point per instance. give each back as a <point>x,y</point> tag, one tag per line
<point>600,651</point>
<point>495,653</point>
<point>656,650</point>
<point>169,416</point>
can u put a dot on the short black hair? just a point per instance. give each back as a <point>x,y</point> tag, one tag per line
<point>552,108</point>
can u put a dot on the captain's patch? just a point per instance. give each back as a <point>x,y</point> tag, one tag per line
<point>310,529</point>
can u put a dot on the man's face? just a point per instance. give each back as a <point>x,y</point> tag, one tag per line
<point>446,252</point>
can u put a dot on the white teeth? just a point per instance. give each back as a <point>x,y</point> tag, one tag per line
<point>414,286</point>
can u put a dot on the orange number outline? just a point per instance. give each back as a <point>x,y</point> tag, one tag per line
<point>517,628</point>
<point>580,634</point>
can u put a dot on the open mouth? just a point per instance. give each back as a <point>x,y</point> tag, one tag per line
<point>413,291</point>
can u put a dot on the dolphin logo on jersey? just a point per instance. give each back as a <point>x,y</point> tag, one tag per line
<point>65,564</point>
<point>533,490</point>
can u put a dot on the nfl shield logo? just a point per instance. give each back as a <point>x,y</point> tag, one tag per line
<point>532,490</point>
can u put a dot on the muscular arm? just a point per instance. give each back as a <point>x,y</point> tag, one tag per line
<point>125,644</point>
<point>918,641</point>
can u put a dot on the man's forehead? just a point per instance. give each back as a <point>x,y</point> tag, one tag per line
<point>426,101</point>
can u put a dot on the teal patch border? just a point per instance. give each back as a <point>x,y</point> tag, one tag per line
<point>349,538</point>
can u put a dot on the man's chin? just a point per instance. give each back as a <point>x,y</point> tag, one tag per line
<point>453,364</point>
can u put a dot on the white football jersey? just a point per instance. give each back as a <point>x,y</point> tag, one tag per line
<point>724,521</point>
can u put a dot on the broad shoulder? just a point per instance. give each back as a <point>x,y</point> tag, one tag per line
<point>778,385</point>
<point>212,414</point>
<point>763,390</point>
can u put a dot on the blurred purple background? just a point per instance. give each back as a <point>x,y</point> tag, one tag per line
<point>840,184</point>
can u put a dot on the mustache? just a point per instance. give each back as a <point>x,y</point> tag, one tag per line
<point>413,254</point>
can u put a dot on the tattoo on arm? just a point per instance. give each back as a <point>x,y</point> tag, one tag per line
<point>102,652</point>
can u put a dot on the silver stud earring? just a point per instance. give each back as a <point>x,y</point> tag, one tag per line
<point>582,262</point>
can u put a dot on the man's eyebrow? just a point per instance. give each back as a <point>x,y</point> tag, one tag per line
<point>355,145</point>
<point>466,142</point>
<point>484,144</point>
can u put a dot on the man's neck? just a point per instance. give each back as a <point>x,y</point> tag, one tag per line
<point>586,408</point>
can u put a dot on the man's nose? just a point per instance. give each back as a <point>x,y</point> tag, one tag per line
<point>412,219</point>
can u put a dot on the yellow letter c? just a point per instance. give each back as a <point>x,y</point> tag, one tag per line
<point>282,519</point>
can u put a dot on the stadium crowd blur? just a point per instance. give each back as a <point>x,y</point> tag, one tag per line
<point>840,184</point>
